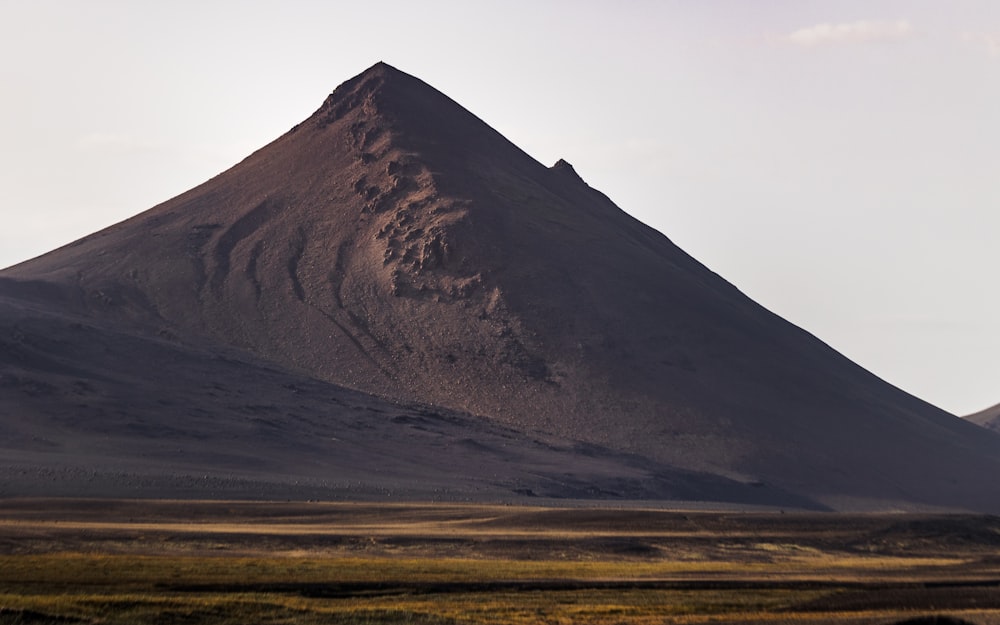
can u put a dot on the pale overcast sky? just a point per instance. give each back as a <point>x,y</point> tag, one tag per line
<point>838,161</point>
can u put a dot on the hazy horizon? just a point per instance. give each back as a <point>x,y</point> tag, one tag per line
<point>835,161</point>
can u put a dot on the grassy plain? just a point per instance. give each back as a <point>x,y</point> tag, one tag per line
<point>165,562</point>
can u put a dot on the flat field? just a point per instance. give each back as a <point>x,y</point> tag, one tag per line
<point>141,561</point>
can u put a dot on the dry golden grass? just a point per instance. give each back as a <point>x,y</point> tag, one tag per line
<point>452,565</point>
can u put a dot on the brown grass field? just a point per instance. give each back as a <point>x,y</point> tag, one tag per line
<point>140,561</point>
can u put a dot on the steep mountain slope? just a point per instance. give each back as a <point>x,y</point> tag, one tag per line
<point>396,245</point>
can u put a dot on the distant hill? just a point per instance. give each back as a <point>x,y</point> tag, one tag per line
<point>988,418</point>
<point>393,293</point>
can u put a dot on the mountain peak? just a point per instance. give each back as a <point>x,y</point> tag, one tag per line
<point>382,67</point>
<point>419,119</point>
<point>381,87</point>
<point>381,71</point>
<point>357,91</point>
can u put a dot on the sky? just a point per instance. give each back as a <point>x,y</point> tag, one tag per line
<point>838,161</point>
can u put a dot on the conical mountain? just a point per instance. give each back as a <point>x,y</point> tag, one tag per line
<point>395,244</point>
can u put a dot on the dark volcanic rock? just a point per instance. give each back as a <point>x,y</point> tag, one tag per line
<point>396,245</point>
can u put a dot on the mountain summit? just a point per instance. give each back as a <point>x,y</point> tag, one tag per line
<point>396,246</point>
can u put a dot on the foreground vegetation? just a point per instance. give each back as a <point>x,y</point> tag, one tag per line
<point>143,562</point>
<point>170,589</point>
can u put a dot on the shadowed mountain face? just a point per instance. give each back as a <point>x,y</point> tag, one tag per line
<point>396,245</point>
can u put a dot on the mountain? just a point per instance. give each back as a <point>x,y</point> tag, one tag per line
<point>396,250</point>
<point>988,418</point>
